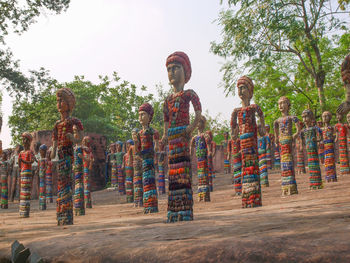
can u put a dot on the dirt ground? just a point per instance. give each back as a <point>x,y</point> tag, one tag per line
<point>313,226</point>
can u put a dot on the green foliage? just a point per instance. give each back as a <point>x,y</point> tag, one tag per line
<point>289,48</point>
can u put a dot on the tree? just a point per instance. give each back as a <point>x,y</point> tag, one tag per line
<point>17,16</point>
<point>292,34</point>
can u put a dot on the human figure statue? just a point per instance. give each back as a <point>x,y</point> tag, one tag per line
<point>344,107</point>
<point>300,145</point>
<point>283,134</point>
<point>15,173</point>
<point>310,133</point>
<point>25,160</point>
<point>251,189</point>
<point>269,147</point>
<point>277,162</point>
<point>161,155</point>
<point>263,146</point>
<point>348,132</point>
<point>177,132</point>
<point>79,204</point>
<point>35,172</point>
<point>88,160</point>
<point>146,146</point>
<point>48,177</point>
<point>113,164</point>
<point>328,142</point>
<point>211,153</point>
<point>137,165</point>
<point>224,144</point>
<point>119,155</point>
<point>42,162</point>
<point>320,145</point>
<point>234,148</point>
<point>341,139</point>
<point>129,172</point>
<point>4,172</point>
<point>200,147</point>
<point>62,145</point>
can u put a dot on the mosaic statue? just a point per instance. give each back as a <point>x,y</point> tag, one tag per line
<point>344,107</point>
<point>234,148</point>
<point>177,131</point>
<point>88,160</point>
<point>200,147</point>
<point>328,142</point>
<point>25,160</point>
<point>283,134</point>
<point>79,204</point>
<point>4,172</point>
<point>113,164</point>
<point>300,145</point>
<point>251,189</point>
<point>15,172</point>
<point>42,173</point>
<point>320,145</point>
<point>137,165</point>
<point>224,144</point>
<point>48,177</point>
<point>161,156</point>
<point>341,139</point>
<point>211,153</point>
<point>269,147</point>
<point>63,141</point>
<point>146,146</point>
<point>310,133</point>
<point>129,172</point>
<point>263,146</point>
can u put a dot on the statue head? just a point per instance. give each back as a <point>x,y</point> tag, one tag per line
<point>145,114</point>
<point>179,69</point>
<point>119,146</point>
<point>43,150</point>
<point>339,117</point>
<point>135,134</point>
<point>245,87</point>
<point>27,140</point>
<point>129,143</point>
<point>86,141</point>
<point>112,148</point>
<point>308,117</point>
<point>267,128</point>
<point>345,70</point>
<point>65,100</point>
<point>348,117</point>
<point>201,123</point>
<point>284,104</point>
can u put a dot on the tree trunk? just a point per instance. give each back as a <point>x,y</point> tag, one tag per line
<point>319,81</point>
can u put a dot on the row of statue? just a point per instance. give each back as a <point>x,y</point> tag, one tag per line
<point>139,182</point>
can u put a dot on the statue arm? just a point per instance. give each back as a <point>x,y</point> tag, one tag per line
<point>297,125</point>
<point>275,128</point>
<point>190,128</point>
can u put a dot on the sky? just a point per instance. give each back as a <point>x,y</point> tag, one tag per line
<point>132,38</point>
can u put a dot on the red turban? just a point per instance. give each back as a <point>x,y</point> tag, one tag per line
<point>27,135</point>
<point>147,108</point>
<point>244,80</point>
<point>182,58</point>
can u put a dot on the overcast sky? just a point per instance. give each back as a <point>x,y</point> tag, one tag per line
<point>132,38</point>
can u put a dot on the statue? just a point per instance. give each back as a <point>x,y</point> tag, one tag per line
<point>200,146</point>
<point>310,135</point>
<point>300,145</point>
<point>4,171</point>
<point>25,160</point>
<point>283,134</point>
<point>113,164</point>
<point>137,165</point>
<point>269,147</point>
<point>62,143</point>
<point>88,160</point>
<point>341,138</point>
<point>328,142</point>
<point>234,148</point>
<point>344,107</point>
<point>146,146</point>
<point>251,189</point>
<point>42,172</point>
<point>224,144</point>
<point>211,153</point>
<point>48,177</point>
<point>263,146</point>
<point>129,172</point>
<point>177,131</point>
<point>320,145</point>
<point>79,204</point>
<point>161,168</point>
<point>277,162</point>
<point>119,155</point>
<point>15,172</point>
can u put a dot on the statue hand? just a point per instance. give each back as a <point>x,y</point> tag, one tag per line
<point>344,108</point>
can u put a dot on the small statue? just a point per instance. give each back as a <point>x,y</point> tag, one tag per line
<point>328,142</point>
<point>42,172</point>
<point>129,172</point>
<point>211,153</point>
<point>137,165</point>
<point>310,135</point>
<point>119,155</point>
<point>283,134</point>
<point>88,160</point>
<point>4,172</point>
<point>48,177</point>
<point>299,141</point>
<point>234,147</point>
<point>263,146</point>
<point>62,143</point>
<point>177,132</point>
<point>25,160</point>
<point>161,168</point>
<point>341,139</point>
<point>15,173</point>
<point>251,189</point>
<point>200,146</point>
<point>270,138</point>
<point>113,164</point>
<point>146,146</point>
<point>79,204</point>
<point>320,145</point>
<point>224,144</point>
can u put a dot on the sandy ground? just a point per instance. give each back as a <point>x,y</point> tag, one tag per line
<point>313,226</point>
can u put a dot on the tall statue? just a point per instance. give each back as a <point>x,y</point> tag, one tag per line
<point>178,130</point>
<point>328,142</point>
<point>234,148</point>
<point>137,165</point>
<point>63,141</point>
<point>79,204</point>
<point>251,189</point>
<point>200,147</point>
<point>113,165</point>
<point>48,177</point>
<point>211,153</point>
<point>146,146</point>
<point>42,162</point>
<point>129,172</point>
<point>224,144</point>
<point>263,147</point>
<point>88,160</point>
<point>300,145</point>
<point>161,155</point>
<point>25,160</point>
<point>269,147</point>
<point>283,134</point>
<point>341,139</point>
<point>310,134</point>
